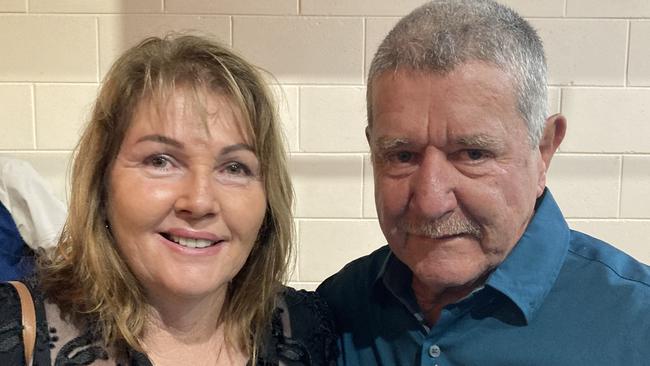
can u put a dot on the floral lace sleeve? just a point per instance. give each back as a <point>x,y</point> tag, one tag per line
<point>11,339</point>
<point>302,332</point>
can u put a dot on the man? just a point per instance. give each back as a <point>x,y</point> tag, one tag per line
<point>480,267</point>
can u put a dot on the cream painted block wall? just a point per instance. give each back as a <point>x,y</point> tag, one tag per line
<point>56,52</point>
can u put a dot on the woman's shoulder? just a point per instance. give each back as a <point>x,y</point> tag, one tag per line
<point>11,324</point>
<point>306,309</point>
<point>304,329</point>
<point>56,339</point>
<point>10,302</point>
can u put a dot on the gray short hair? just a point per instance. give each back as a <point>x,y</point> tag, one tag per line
<point>442,34</point>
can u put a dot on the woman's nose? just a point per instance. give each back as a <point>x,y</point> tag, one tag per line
<point>197,196</point>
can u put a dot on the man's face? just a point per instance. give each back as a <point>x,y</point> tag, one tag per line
<point>456,178</point>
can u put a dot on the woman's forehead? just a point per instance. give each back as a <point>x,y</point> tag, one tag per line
<point>194,108</point>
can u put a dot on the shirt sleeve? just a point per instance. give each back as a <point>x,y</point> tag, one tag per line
<point>38,214</point>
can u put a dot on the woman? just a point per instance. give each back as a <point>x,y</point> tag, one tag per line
<point>179,229</point>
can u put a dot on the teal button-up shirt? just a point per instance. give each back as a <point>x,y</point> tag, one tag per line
<point>560,298</point>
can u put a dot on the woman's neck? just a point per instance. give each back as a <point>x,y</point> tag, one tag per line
<point>184,317</point>
<point>189,331</point>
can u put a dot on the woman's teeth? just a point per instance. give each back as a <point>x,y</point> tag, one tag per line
<point>190,242</point>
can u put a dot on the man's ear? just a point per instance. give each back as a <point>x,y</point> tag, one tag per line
<point>368,134</point>
<point>554,130</point>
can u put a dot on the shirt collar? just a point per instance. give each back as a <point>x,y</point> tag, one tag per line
<point>526,275</point>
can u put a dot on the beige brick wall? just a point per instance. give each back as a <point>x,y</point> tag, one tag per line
<point>55,53</point>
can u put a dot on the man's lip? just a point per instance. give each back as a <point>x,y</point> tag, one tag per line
<point>193,234</point>
<point>443,237</point>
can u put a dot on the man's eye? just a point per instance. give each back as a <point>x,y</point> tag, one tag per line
<point>401,156</point>
<point>474,154</point>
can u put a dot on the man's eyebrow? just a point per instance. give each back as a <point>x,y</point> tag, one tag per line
<point>390,143</point>
<point>163,140</point>
<point>480,141</point>
<point>236,147</point>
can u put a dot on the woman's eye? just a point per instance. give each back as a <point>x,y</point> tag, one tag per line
<point>236,168</point>
<point>160,162</point>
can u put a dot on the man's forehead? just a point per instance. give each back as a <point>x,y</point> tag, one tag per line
<point>477,73</point>
<point>462,100</point>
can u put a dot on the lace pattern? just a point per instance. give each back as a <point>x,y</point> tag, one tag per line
<point>309,341</point>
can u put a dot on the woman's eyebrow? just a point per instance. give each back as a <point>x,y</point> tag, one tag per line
<point>177,144</point>
<point>236,147</point>
<point>162,139</point>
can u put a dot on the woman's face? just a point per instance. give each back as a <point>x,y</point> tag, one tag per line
<point>186,198</point>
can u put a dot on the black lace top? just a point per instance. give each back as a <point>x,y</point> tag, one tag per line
<point>301,333</point>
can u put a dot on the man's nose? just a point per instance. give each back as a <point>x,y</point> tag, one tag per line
<point>433,187</point>
<point>197,197</point>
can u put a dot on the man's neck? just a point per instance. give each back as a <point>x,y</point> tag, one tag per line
<point>433,299</point>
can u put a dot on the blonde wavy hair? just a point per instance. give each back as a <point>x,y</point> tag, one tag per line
<point>86,277</point>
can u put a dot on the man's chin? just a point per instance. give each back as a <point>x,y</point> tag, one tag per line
<point>441,276</point>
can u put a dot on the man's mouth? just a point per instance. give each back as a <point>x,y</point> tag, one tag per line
<point>189,242</point>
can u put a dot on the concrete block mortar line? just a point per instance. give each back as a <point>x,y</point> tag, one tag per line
<point>626,75</point>
<point>304,284</point>
<point>601,219</point>
<point>324,86</point>
<point>363,183</point>
<point>330,84</point>
<point>231,20</point>
<point>590,18</point>
<point>642,220</point>
<point>364,31</point>
<point>596,86</point>
<point>599,154</point>
<point>335,219</point>
<point>566,6</point>
<point>97,59</point>
<point>298,119</point>
<point>328,154</point>
<point>32,90</point>
<point>620,187</point>
<point>36,152</point>
<point>296,259</point>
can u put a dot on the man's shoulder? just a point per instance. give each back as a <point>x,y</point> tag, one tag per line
<point>355,278</point>
<point>606,278</point>
<point>610,260</point>
<point>599,291</point>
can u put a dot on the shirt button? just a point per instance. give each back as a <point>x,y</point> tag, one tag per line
<point>434,351</point>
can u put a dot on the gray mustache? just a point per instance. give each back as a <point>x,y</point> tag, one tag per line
<point>440,228</point>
